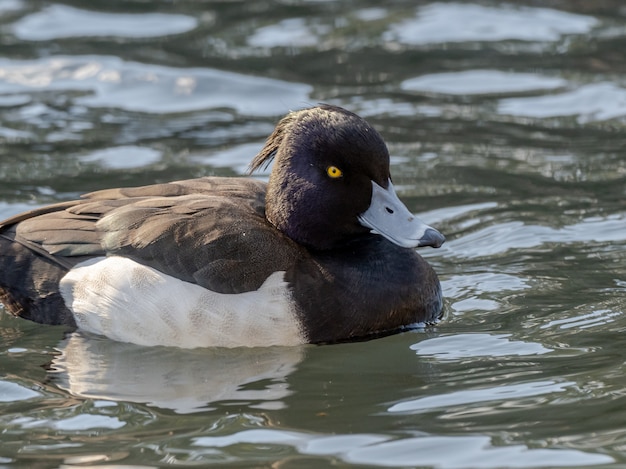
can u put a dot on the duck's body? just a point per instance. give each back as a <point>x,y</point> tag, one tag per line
<point>232,261</point>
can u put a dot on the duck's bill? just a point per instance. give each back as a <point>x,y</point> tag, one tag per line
<point>389,217</point>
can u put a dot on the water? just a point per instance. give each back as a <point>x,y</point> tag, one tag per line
<point>506,123</point>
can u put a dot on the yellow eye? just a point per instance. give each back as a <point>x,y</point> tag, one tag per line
<point>334,172</point>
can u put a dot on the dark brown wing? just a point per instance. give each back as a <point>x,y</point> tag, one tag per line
<point>219,240</point>
<point>209,231</point>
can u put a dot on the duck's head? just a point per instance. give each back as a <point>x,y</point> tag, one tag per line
<point>330,182</point>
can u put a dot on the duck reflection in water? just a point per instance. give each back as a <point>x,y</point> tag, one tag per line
<point>181,380</point>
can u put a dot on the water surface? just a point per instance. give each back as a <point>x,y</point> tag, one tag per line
<point>506,123</point>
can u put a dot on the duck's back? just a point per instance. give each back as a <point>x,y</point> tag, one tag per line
<point>209,232</point>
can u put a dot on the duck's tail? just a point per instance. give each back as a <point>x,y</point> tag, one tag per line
<point>29,283</point>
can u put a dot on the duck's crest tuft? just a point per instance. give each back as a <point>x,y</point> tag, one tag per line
<point>266,155</point>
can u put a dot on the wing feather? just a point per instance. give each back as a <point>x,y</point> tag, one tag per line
<point>208,231</point>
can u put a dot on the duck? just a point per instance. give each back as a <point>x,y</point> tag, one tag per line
<point>324,252</point>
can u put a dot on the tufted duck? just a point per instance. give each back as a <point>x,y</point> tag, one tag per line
<point>322,253</point>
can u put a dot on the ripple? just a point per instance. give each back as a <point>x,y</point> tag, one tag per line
<point>454,347</point>
<point>113,82</point>
<point>500,238</point>
<point>314,31</point>
<point>14,100</point>
<point>390,107</point>
<point>457,286</point>
<point>594,102</point>
<point>12,135</point>
<point>468,452</point>
<point>598,229</point>
<point>481,82</point>
<point>457,22</point>
<point>291,32</point>
<point>473,396</point>
<point>11,392</point>
<point>584,321</point>
<point>474,451</point>
<point>60,21</point>
<point>11,5</point>
<point>87,422</point>
<point>371,14</point>
<point>236,158</point>
<point>456,211</point>
<point>124,157</point>
<point>82,422</point>
<point>9,209</point>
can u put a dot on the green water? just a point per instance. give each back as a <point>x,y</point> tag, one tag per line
<point>507,128</point>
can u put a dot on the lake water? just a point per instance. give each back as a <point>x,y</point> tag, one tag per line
<point>507,128</point>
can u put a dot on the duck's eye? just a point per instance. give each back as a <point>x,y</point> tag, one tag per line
<point>334,172</point>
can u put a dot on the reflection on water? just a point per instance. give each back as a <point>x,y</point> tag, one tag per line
<point>460,22</point>
<point>12,392</point>
<point>505,123</point>
<point>111,82</point>
<point>60,21</point>
<point>500,393</point>
<point>123,157</point>
<point>595,318</point>
<point>476,345</point>
<point>181,380</point>
<point>593,102</point>
<point>469,451</point>
<point>290,32</point>
<point>498,239</point>
<point>482,82</point>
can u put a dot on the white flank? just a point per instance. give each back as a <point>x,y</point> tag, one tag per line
<point>129,302</point>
